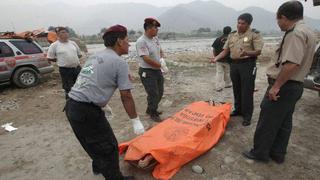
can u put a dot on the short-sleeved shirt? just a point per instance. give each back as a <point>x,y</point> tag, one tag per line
<point>299,48</point>
<point>218,47</point>
<point>66,53</point>
<point>248,41</point>
<point>148,47</point>
<point>101,75</point>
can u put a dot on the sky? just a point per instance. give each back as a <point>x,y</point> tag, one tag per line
<point>271,5</point>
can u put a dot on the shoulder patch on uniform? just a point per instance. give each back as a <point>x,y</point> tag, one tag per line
<point>255,30</point>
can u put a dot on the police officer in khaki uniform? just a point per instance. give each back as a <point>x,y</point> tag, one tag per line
<point>285,77</point>
<point>244,46</point>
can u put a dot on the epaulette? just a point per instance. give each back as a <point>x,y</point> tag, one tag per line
<point>255,31</point>
<point>234,31</point>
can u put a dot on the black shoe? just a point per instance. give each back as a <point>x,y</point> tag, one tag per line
<point>246,123</point>
<point>157,112</point>
<point>277,159</point>
<point>235,113</point>
<point>250,155</point>
<point>155,117</point>
<point>128,178</point>
<point>95,169</point>
<point>96,172</point>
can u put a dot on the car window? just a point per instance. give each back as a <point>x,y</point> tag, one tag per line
<point>5,50</point>
<point>27,47</point>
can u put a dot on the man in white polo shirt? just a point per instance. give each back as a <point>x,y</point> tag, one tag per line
<point>66,53</point>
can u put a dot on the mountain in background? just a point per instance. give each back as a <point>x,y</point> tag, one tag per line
<point>91,19</point>
<point>188,17</point>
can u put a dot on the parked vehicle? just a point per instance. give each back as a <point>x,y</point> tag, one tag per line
<point>312,80</point>
<point>22,61</point>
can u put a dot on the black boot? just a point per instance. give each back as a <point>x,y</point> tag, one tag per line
<point>235,113</point>
<point>128,178</point>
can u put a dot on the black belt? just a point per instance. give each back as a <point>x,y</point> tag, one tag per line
<point>239,61</point>
<point>150,69</point>
<point>68,67</point>
<point>272,81</point>
<point>84,103</point>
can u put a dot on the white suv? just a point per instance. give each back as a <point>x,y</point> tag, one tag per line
<point>22,62</point>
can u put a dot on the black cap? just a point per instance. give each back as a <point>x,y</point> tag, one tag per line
<point>246,17</point>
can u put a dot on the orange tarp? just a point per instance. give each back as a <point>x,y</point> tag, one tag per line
<point>51,36</point>
<point>180,138</point>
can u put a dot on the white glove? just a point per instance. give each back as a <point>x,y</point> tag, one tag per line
<point>137,126</point>
<point>164,67</point>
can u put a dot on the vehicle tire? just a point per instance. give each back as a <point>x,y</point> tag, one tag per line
<point>25,77</point>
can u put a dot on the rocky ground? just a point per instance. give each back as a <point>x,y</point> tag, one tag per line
<point>44,146</point>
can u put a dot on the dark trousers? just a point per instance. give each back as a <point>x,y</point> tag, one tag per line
<point>275,121</point>
<point>94,133</point>
<point>243,77</point>
<point>152,81</point>
<point>68,77</point>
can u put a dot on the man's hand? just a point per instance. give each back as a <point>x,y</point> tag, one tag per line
<point>273,93</point>
<point>52,60</point>
<point>137,126</point>
<point>161,54</point>
<point>164,67</point>
<point>130,77</point>
<point>243,53</point>
<point>213,59</point>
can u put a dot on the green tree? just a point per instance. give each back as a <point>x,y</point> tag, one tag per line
<point>131,32</point>
<point>72,33</point>
<point>203,30</point>
<point>218,33</point>
<point>51,28</point>
<point>102,31</point>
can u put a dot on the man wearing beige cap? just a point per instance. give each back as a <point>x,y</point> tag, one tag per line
<point>150,53</point>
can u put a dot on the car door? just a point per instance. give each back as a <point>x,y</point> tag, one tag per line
<point>29,53</point>
<point>7,62</point>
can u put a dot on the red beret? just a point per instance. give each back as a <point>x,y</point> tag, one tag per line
<point>116,28</point>
<point>152,21</point>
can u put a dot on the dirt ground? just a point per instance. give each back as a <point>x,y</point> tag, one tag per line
<point>44,146</point>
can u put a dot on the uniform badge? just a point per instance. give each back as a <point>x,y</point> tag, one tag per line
<point>245,39</point>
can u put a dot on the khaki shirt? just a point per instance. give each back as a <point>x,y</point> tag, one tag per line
<point>298,47</point>
<point>249,41</point>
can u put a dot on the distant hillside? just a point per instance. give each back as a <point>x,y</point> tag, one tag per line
<point>91,19</point>
<point>180,19</point>
<point>215,16</point>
